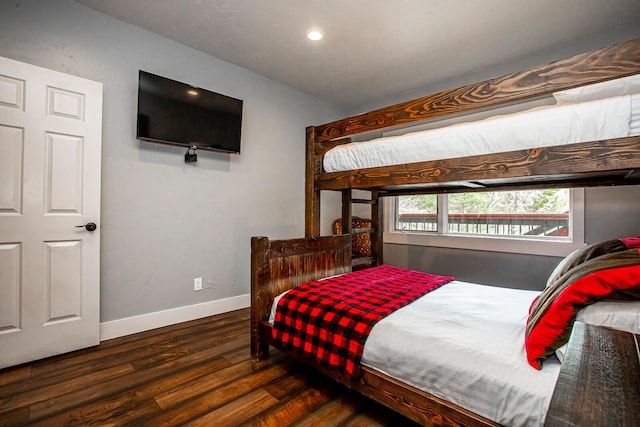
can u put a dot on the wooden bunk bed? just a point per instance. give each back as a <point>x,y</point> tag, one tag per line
<point>281,265</point>
<point>593,163</point>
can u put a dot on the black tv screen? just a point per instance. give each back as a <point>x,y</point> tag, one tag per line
<point>176,113</point>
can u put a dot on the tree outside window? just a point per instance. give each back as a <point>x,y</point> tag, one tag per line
<point>540,213</point>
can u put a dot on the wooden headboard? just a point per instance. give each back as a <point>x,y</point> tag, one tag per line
<point>279,265</point>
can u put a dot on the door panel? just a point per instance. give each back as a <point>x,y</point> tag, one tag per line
<point>64,281</point>
<point>10,260</point>
<point>11,147</point>
<point>63,189</point>
<point>64,103</point>
<point>11,92</point>
<point>50,158</point>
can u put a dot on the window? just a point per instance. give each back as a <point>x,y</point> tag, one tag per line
<point>546,222</point>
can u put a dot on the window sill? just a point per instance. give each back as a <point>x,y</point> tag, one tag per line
<point>560,248</point>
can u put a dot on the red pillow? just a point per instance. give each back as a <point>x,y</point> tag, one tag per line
<point>614,276</point>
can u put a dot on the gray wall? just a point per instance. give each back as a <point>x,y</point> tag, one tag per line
<point>165,222</point>
<point>609,212</point>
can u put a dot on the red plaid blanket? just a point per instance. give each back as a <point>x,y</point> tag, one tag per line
<point>331,319</point>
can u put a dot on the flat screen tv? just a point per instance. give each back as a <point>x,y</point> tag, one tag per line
<point>176,113</point>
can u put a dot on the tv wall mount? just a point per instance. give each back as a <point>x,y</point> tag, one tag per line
<point>191,156</point>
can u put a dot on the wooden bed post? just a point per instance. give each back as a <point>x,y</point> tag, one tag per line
<point>347,226</point>
<point>311,194</point>
<point>259,274</point>
<point>377,217</point>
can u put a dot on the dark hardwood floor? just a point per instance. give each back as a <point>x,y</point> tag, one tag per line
<point>196,373</point>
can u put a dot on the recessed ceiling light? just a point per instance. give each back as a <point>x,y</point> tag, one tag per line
<point>192,92</point>
<point>315,35</point>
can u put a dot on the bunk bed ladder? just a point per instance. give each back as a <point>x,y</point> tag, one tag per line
<point>375,232</point>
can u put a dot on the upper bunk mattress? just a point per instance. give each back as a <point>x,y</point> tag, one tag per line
<point>560,124</point>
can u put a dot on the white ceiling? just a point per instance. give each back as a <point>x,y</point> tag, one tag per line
<point>372,48</point>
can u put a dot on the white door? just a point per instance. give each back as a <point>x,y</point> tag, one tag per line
<point>50,151</point>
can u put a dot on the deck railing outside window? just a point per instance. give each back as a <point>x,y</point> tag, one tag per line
<point>549,225</point>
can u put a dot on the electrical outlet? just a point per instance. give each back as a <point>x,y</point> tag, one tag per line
<point>197,284</point>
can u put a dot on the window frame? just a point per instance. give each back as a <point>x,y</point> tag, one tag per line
<point>559,247</point>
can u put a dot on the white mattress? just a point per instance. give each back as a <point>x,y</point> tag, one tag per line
<point>539,127</point>
<point>465,343</point>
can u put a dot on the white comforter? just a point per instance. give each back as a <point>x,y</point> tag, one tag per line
<point>465,343</point>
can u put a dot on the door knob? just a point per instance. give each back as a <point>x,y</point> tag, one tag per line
<point>90,226</point>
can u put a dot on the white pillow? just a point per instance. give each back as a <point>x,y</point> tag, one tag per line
<point>624,316</point>
<point>561,351</point>
<point>618,87</point>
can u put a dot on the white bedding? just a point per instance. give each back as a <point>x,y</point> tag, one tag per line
<point>465,343</point>
<point>539,127</point>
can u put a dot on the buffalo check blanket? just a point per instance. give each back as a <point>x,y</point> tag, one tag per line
<point>330,319</point>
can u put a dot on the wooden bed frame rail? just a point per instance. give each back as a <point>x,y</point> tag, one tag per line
<point>611,62</point>
<point>599,380</point>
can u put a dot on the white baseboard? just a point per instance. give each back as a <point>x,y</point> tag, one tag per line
<point>158,319</point>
